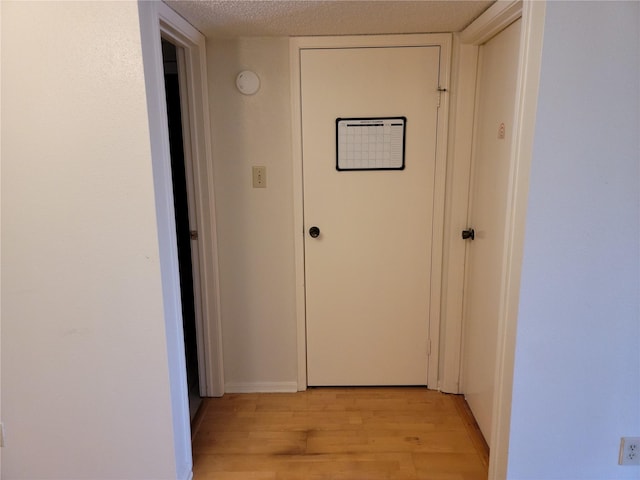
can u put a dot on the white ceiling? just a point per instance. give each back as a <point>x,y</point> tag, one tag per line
<point>239,18</point>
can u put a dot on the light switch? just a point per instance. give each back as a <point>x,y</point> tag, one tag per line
<point>259,177</point>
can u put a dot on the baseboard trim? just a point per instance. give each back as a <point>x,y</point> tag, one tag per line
<point>260,387</point>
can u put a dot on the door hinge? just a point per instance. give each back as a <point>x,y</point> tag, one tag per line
<point>193,234</point>
<point>429,348</point>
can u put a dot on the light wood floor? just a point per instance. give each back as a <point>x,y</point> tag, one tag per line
<point>339,434</point>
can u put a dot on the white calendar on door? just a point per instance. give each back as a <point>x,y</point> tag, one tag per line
<point>370,143</point>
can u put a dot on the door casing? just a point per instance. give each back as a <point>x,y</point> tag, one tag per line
<point>496,18</point>
<point>197,147</point>
<point>300,43</point>
<point>156,20</point>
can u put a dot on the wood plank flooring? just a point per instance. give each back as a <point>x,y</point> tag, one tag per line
<point>339,434</point>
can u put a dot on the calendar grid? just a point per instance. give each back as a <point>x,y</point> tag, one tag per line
<point>370,143</point>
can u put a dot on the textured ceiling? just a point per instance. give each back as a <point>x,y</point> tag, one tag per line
<point>238,18</point>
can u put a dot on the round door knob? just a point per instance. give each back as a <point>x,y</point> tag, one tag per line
<point>314,232</point>
<point>469,233</point>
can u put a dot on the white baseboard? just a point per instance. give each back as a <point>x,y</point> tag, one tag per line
<point>260,387</point>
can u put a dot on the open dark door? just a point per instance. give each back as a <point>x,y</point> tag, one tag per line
<point>183,231</point>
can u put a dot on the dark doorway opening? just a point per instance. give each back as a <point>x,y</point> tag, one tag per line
<point>183,229</point>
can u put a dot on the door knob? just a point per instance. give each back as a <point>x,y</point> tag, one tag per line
<point>314,232</point>
<point>468,234</point>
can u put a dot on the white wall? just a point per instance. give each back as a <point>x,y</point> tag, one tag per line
<point>255,226</point>
<point>577,370</point>
<point>85,383</point>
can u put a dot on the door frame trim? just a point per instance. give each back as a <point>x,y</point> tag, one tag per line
<point>296,44</point>
<point>153,17</point>
<point>461,150</point>
<point>495,19</point>
<point>533,17</point>
<point>159,20</point>
<point>463,89</point>
<point>200,188</point>
<point>466,50</point>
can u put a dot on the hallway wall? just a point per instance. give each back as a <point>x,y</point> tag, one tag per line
<point>85,382</point>
<point>577,366</point>
<point>255,226</point>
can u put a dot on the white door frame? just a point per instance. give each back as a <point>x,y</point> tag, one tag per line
<point>466,46</point>
<point>171,26</point>
<point>156,20</point>
<point>197,145</point>
<point>463,102</point>
<point>296,45</point>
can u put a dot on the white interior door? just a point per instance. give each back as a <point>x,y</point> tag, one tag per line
<point>367,274</point>
<point>493,133</point>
